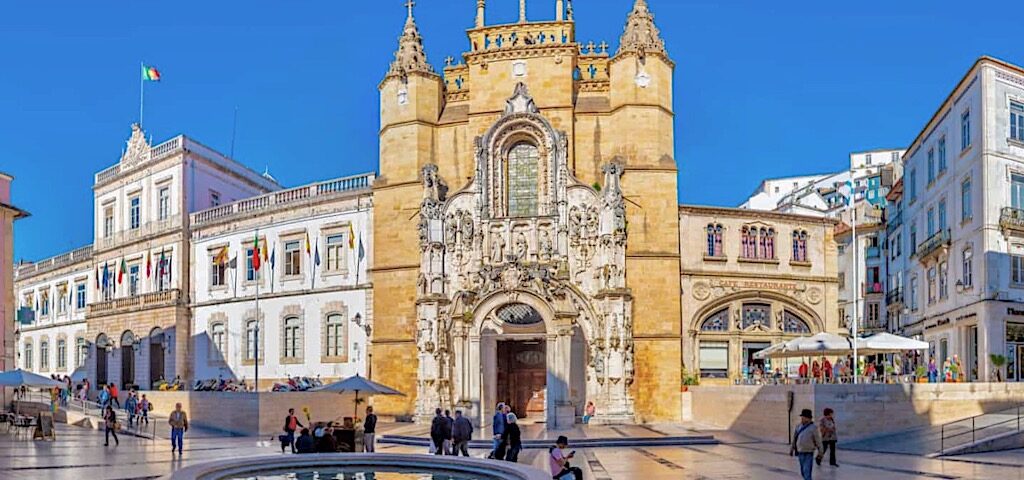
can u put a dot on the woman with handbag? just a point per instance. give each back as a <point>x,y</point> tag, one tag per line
<point>110,422</point>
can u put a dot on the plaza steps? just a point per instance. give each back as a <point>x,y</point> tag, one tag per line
<point>591,442</point>
<point>981,433</point>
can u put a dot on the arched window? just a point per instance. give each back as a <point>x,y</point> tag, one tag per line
<point>716,322</point>
<point>756,315</point>
<point>714,240</point>
<point>218,342</point>
<point>62,354</point>
<point>799,246</point>
<point>748,240</point>
<point>292,347</point>
<point>250,340</point>
<point>44,355</point>
<point>522,165</point>
<point>794,324</point>
<point>767,243</point>
<point>334,336</point>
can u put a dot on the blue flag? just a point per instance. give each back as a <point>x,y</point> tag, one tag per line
<point>316,253</point>
<point>362,253</point>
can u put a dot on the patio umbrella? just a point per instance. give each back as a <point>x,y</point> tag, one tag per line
<point>812,346</point>
<point>888,343</point>
<point>358,384</point>
<point>21,378</point>
<point>79,374</point>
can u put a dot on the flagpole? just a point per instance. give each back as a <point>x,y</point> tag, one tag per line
<point>256,329</point>
<point>142,90</point>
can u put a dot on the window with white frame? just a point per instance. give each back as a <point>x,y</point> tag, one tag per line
<point>967,268</point>
<point>108,221</point>
<point>334,336</point>
<point>63,301</point>
<point>965,130</point>
<point>966,210</point>
<point>292,258</point>
<point>1017,191</point>
<point>941,151</point>
<point>251,274</point>
<point>912,184</point>
<point>163,203</point>
<point>913,293</point>
<point>867,159</point>
<point>930,221</point>
<point>942,215</point>
<point>44,303</point>
<point>133,280</point>
<point>1017,121</point>
<point>214,199</point>
<point>27,357</point>
<point>44,355</point>
<point>1017,269</point>
<point>336,258</point>
<point>292,335</point>
<point>251,333</point>
<point>163,272</point>
<point>932,274</point>
<point>217,272</point>
<point>931,165</point>
<point>62,354</point>
<point>80,296</point>
<point>873,311</point>
<point>943,280</point>
<point>714,359</point>
<point>134,212</point>
<point>218,342</point>
<point>81,352</point>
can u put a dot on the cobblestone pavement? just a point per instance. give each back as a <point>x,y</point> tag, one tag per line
<point>80,454</point>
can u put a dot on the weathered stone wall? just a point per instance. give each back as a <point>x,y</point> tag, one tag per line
<point>862,411</point>
<point>253,413</point>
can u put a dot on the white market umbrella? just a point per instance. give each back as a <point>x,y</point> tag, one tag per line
<point>812,346</point>
<point>888,343</point>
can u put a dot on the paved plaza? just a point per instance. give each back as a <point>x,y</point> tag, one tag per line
<point>79,454</point>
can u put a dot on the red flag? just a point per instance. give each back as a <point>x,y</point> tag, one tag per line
<point>149,264</point>
<point>256,253</point>
<point>121,271</point>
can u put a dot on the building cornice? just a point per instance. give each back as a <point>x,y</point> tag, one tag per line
<point>755,214</point>
<point>758,276</point>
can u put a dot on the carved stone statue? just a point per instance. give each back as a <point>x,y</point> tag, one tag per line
<point>466,225</point>
<point>522,247</point>
<point>546,249</point>
<point>497,248</point>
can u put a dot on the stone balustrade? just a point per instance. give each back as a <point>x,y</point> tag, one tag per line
<point>55,262</point>
<point>145,230</point>
<point>136,302</point>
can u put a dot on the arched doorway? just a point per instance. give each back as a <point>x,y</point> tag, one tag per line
<point>521,360</point>
<point>127,359</point>
<point>156,356</point>
<point>101,345</point>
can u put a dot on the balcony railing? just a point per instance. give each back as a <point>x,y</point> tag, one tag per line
<point>136,302</point>
<point>52,263</point>
<point>291,196</point>
<point>934,243</point>
<point>1012,219</point>
<point>145,230</point>
<point>873,252</point>
<point>894,297</point>
<point>870,288</point>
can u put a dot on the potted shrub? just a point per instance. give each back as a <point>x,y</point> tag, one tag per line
<point>689,379</point>
<point>922,374</point>
<point>998,361</point>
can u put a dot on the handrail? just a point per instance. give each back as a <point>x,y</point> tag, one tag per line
<point>974,428</point>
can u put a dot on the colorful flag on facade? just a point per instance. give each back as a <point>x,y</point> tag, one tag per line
<point>256,252</point>
<point>264,251</point>
<point>351,236</point>
<point>362,252</point>
<point>150,73</point>
<point>316,255</point>
<point>149,264</point>
<point>121,271</point>
<point>222,256</point>
<point>160,264</point>
<point>234,262</point>
<point>273,257</point>
<point>106,272</point>
<point>308,250</point>
<point>97,277</point>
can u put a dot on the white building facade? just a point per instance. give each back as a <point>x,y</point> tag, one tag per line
<point>313,316</point>
<point>962,220</point>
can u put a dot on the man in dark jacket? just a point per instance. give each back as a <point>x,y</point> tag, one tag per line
<point>497,427</point>
<point>369,430</point>
<point>450,423</point>
<point>462,432</point>
<point>438,427</point>
<point>306,443</point>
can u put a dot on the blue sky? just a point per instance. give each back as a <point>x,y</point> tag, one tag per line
<point>765,89</point>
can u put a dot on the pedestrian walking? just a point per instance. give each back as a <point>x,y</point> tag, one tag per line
<point>497,428</point>
<point>369,430</point>
<point>588,412</point>
<point>512,438</point>
<point>131,404</point>
<point>827,425</point>
<point>806,442</point>
<point>462,433</point>
<point>933,371</point>
<point>179,425</point>
<point>114,392</point>
<point>110,426</point>
<point>438,426</point>
<point>143,408</point>
<point>291,424</point>
<point>558,460</point>
<point>449,425</point>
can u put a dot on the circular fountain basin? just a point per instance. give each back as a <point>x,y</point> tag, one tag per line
<point>358,466</point>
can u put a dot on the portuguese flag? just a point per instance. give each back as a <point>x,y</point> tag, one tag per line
<point>256,253</point>
<point>150,73</point>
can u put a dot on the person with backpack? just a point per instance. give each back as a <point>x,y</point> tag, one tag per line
<point>806,442</point>
<point>291,423</point>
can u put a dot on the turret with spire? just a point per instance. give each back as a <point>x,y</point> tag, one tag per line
<point>641,36</point>
<point>410,56</point>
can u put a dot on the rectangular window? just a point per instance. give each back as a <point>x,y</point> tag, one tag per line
<point>931,222</point>
<point>80,296</point>
<point>943,280</point>
<point>714,359</point>
<point>217,270</point>
<point>913,293</point>
<point>292,258</point>
<point>44,304</point>
<point>1017,269</point>
<point>931,285</point>
<point>1017,191</point>
<point>62,354</point>
<point>336,253</point>
<point>895,157</point>
<point>873,314</point>
<point>133,280</point>
<point>965,201</point>
<point>942,154</point>
<point>164,203</point>
<point>942,215</point>
<point>913,238</point>
<point>250,273</point>
<point>163,273</point>
<point>867,159</point>
<point>214,199</point>
<point>912,184</point>
<point>1017,121</point>
<point>968,276</point>
<point>931,166</point>
<point>108,222</point>
<point>44,355</point>
<point>965,130</point>
<point>134,212</point>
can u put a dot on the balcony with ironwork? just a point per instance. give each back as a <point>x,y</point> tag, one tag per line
<point>894,297</point>
<point>871,325</point>
<point>134,303</point>
<point>933,246</point>
<point>871,288</point>
<point>1011,220</point>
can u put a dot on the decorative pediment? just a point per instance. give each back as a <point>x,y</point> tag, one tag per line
<point>138,149</point>
<point>520,101</point>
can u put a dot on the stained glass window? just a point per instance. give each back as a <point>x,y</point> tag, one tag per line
<point>717,322</point>
<point>757,314</point>
<point>523,160</point>
<point>794,324</point>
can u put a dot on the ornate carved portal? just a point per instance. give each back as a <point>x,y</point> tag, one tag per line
<point>524,252</point>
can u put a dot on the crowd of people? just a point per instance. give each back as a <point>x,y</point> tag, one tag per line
<point>875,369</point>
<point>320,438</point>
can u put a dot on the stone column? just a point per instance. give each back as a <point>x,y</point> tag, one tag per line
<point>561,414</point>
<point>471,376</point>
